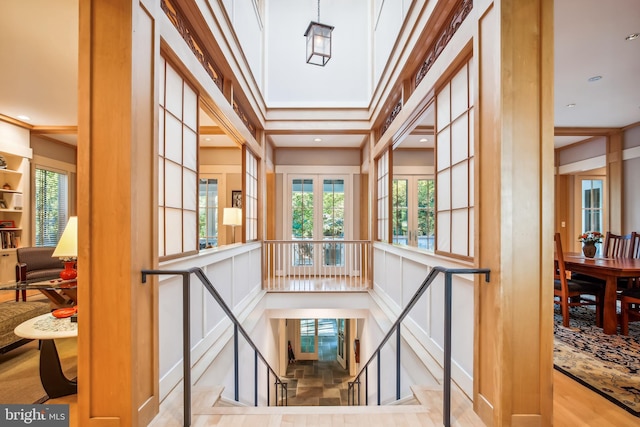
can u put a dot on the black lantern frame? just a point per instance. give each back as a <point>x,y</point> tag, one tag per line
<point>318,43</point>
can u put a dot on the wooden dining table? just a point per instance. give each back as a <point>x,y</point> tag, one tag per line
<point>608,269</point>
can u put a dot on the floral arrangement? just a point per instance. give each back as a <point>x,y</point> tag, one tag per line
<point>591,237</point>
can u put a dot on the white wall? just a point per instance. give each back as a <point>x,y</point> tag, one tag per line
<point>344,81</point>
<point>398,272</point>
<point>236,275</point>
<point>248,26</point>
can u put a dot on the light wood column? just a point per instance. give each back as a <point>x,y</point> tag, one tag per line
<point>515,212</point>
<point>117,215</point>
<point>615,183</point>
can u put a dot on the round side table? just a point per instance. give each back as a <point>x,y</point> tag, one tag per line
<point>46,328</point>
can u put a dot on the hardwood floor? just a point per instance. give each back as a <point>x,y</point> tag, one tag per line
<point>574,405</point>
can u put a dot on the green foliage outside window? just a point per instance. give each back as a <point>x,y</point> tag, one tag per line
<point>51,210</point>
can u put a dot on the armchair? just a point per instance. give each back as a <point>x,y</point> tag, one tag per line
<point>36,264</point>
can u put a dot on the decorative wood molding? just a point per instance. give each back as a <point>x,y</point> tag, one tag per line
<point>394,113</point>
<point>55,130</point>
<point>445,36</point>
<point>584,131</point>
<point>189,35</point>
<point>244,117</point>
<point>16,122</point>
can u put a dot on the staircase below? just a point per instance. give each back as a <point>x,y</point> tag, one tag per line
<point>427,412</point>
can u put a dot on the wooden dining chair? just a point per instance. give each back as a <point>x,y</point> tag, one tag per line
<point>634,252</point>
<point>571,293</point>
<point>616,246</point>
<point>630,305</point>
<point>634,245</point>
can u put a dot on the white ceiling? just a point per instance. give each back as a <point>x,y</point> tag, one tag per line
<point>38,77</point>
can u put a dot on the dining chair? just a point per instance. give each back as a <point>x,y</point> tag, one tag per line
<point>630,305</point>
<point>634,245</point>
<point>570,292</point>
<point>618,246</point>
<point>615,245</point>
<point>634,252</point>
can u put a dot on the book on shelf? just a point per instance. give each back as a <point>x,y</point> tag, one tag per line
<point>9,239</point>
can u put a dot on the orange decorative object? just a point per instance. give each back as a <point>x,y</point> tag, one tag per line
<point>69,272</point>
<point>61,313</point>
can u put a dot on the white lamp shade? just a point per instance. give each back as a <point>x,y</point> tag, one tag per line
<point>68,244</point>
<point>232,216</point>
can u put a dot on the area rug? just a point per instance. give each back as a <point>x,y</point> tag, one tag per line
<point>20,375</point>
<point>607,364</point>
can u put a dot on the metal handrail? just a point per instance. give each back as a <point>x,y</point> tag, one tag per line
<point>237,327</point>
<point>395,328</point>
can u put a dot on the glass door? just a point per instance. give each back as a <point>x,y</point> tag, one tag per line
<point>308,339</point>
<point>318,214</point>
<point>413,199</point>
<point>341,353</point>
<point>208,212</point>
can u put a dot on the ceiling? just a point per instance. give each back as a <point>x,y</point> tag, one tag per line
<point>39,73</point>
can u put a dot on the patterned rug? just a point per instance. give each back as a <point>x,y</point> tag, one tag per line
<point>607,364</point>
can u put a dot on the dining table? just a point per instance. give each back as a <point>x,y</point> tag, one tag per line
<point>609,270</point>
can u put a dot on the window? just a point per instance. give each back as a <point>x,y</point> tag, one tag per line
<point>455,166</point>
<point>51,209</point>
<point>400,206</point>
<point>208,212</point>
<point>251,209</point>
<point>177,165</point>
<point>592,205</point>
<point>308,333</point>
<point>383,197</point>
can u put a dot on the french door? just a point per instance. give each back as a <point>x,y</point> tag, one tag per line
<point>413,199</point>
<point>318,224</point>
<point>322,339</point>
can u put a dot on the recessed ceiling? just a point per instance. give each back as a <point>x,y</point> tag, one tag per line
<point>327,140</point>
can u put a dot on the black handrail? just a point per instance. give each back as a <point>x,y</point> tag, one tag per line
<point>186,341</point>
<point>395,328</point>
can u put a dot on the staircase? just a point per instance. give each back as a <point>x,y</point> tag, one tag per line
<point>207,410</point>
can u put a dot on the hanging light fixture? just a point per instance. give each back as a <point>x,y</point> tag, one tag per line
<point>318,42</point>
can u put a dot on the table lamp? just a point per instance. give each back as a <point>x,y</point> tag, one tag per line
<point>67,249</point>
<point>232,217</point>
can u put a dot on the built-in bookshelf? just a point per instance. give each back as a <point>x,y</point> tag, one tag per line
<point>13,168</point>
<point>11,200</point>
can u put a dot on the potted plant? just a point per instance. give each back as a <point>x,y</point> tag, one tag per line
<point>589,240</point>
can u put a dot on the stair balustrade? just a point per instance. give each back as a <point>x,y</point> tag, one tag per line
<point>354,386</point>
<point>296,264</point>
<point>237,329</point>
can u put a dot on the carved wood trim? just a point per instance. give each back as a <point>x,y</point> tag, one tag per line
<point>445,36</point>
<point>189,35</point>
<point>390,118</point>
<point>244,117</point>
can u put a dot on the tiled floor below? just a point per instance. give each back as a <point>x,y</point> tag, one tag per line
<point>317,383</point>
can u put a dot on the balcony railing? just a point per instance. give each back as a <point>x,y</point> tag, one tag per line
<point>316,265</point>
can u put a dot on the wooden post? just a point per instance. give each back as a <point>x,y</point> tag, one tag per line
<point>514,125</point>
<point>117,220</point>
